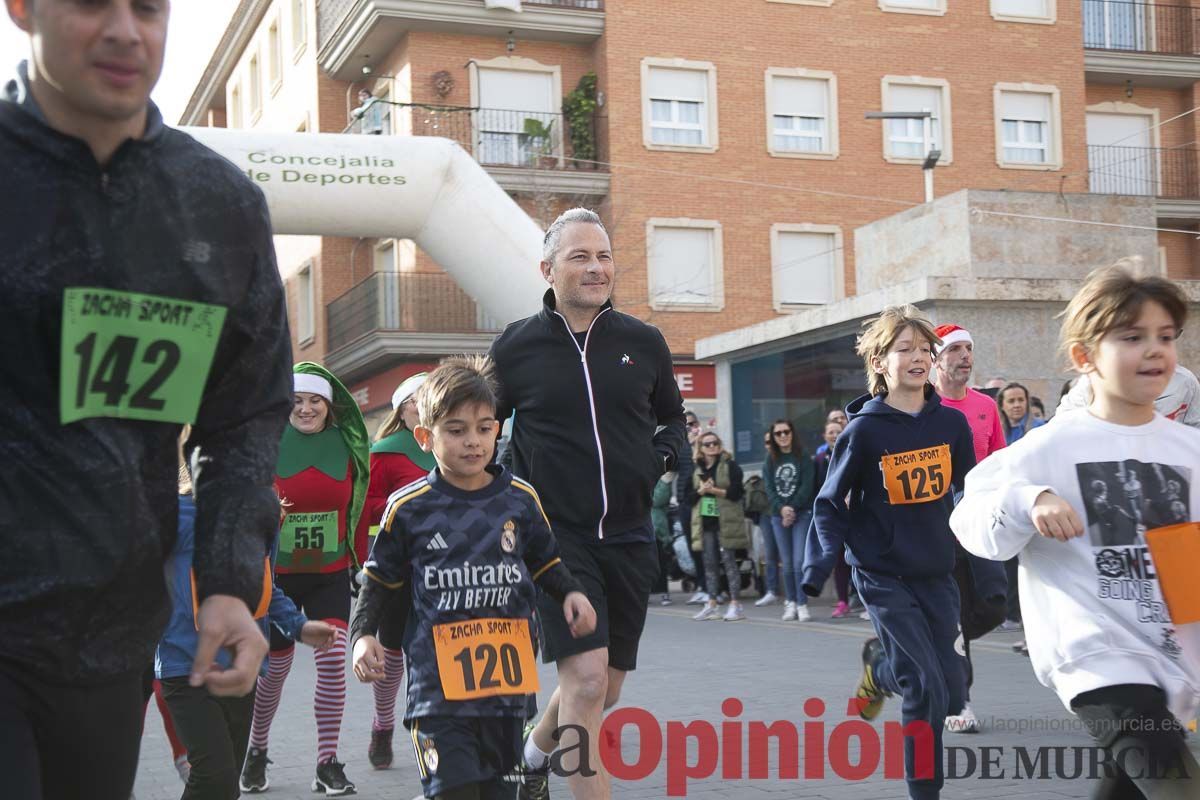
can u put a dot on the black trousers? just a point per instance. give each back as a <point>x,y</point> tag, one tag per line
<point>215,731</point>
<point>1014,598</point>
<point>1133,724</point>
<point>68,741</point>
<point>976,617</point>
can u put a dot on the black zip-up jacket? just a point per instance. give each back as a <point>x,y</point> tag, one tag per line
<point>584,434</point>
<point>88,508</point>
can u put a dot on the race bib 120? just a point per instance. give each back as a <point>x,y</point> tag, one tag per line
<point>134,356</point>
<point>918,476</point>
<point>485,657</point>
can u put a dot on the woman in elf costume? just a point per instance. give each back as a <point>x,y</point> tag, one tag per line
<point>321,478</point>
<point>396,461</point>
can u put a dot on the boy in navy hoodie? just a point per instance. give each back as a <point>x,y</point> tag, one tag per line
<point>887,499</point>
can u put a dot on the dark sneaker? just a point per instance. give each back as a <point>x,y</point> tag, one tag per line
<point>380,751</point>
<point>331,779</point>
<point>254,772</point>
<point>535,783</point>
<point>870,695</point>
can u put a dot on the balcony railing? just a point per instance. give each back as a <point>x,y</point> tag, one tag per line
<point>495,137</point>
<point>404,302</point>
<point>1170,173</point>
<point>1139,27</point>
<point>331,13</point>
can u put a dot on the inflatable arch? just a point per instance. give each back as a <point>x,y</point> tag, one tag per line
<point>408,187</point>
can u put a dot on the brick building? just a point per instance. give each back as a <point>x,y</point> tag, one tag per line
<point>728,151</point>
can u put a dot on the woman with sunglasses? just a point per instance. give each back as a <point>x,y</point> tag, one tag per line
<point>789,479</point>
<point>718,523</point>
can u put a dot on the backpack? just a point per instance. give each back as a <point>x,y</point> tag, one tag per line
<point>755,500</point>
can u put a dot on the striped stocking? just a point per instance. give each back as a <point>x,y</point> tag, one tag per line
<point>387,689</point>
<point>266,699</point>
<point>329,701</point>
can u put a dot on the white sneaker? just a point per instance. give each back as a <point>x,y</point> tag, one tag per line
<point>789,611</point>
<point>734,613</point>
<point>966,722</point>
<point>708,612</point>
<point>699,598</point>
<point>865,615</point>
<point>803,614</point>
<point>183,768</point>
<point>768,599</point>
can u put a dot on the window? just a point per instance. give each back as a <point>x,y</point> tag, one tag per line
<point>518,121</point>
<point>904,138</point>
<point>806,265</point>
<point>255,89</point>
<point>914,6</point>
<point>1027,129</point>
<point>235,107</point>
<point>802,113</point>
<point>299,24</point>
<point>1024,10</point>
<point>679,100</point>
<point>304,304</point>
<point>385,256</point>
<point>274,59</point>
<point>684,260</point>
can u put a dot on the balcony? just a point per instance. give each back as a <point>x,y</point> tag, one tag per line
<point>1171,174</point>
<point>352,34</point>
<point>1151,43</point>
<point>524,151</point>
<point>394,314</point>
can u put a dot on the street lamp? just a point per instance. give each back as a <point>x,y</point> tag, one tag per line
<point>931,156</point>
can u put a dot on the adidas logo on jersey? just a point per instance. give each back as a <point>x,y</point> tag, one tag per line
<point>437,543</point>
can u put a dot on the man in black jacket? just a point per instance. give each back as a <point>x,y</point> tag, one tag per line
<point>590,386</point>
<point>140,292</point>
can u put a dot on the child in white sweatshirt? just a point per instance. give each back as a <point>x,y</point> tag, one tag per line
<point>1074,499</point>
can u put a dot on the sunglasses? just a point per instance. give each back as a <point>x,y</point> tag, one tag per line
<point>710,443</point>
<point>782,433</point>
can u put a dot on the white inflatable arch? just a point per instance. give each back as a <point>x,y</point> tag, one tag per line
<point>408,187</point>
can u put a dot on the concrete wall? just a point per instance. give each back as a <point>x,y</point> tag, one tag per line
<point>951,238</point>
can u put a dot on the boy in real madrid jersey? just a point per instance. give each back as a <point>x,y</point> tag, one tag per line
<point>887,499</point>
<point>469,542</point>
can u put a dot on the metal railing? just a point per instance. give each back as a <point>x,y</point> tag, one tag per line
<point>331,13</point>
<point>1167,172</point>
<point>1140,27</point>
<point>404,301</point>
<point>495,137</point>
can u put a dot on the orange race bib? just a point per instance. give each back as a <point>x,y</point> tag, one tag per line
<point>264,600</point>
<point>1176,552</point>
<point>918,476</point>
<point>485,657</point>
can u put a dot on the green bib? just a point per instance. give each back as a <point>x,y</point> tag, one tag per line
<point>134,356</point>
<point>313,531</point>
<point>708,506</point>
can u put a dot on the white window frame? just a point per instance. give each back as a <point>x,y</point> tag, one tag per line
<point>1133,110</point>
<point>254,82</point>
<point>512,64</point>
<point>1050,17</point>
<point>1053,139</point>
<point>831,103</point>
<point>711,139</point>
<point>839,262</point>
<point>234,110</point>
<point>947,142</point>
<point>938,10</point>
<point>306,304</point>
<point>716,301</point>
<point>299,29</point>
<point>274,56</point>
<point>380,247</point>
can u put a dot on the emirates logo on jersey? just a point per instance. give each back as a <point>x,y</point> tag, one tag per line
<point>508,537</point>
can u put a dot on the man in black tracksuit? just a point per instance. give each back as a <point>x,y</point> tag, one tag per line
<point>589,386</point>
<point>140,292</point>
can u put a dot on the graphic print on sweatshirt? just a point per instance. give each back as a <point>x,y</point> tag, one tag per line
<point>786,478</point>
<point>1122,500</point>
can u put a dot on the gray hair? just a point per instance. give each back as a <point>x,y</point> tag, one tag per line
<point>554,232</point>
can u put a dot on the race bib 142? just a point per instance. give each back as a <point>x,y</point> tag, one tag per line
<point>134,356</point>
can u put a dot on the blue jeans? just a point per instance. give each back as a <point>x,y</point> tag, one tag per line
<point>790,541</point>
<point>770,558</point>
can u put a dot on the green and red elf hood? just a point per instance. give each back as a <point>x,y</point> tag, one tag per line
<point>353,430</point>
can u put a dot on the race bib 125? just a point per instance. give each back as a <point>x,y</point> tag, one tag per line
<point>134,356</point>
<point>918,476</point>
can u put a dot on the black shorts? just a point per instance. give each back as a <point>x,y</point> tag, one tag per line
<point>456,751</point>
<point>321,596</point>
<point>617,579</point>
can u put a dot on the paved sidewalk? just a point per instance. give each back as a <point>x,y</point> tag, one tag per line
<point>686,670</point>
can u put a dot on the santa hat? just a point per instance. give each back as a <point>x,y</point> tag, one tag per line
<point>313,384</point>
<point>952,334</point>
<point>407,389</point>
